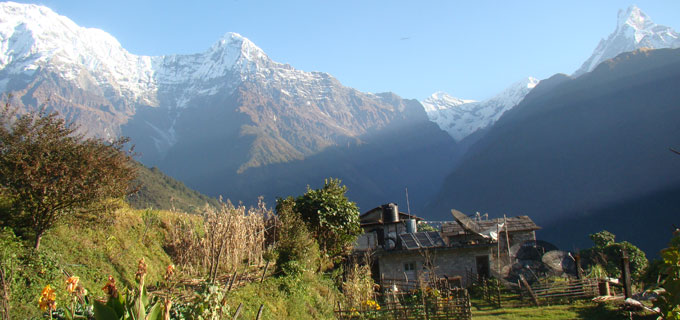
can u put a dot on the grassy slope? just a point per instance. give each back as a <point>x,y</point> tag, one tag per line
<point>310,297</point>
<point>161,192</point>
<point>92,250</point>
<point>111,245</point>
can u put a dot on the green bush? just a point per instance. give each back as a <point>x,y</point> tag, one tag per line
<point>330,217</point>
<point>608,254</point>
<point>669,299</point>
<point>297,252</point>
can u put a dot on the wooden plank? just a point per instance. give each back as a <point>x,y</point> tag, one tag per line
<point>265,271</point>
<point>531,292</point>
<point>625,275</point>
<point>259,312</point>
<point>231,283</point>
<point>238,311</point>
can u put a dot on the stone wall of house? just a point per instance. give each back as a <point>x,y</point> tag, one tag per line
<point>521,236</point>
<point>366,241</point>
<point>451,262</point>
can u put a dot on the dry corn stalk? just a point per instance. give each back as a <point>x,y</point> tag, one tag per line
<point>232,236</point>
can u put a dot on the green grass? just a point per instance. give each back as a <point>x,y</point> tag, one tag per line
<point>306,297</point>
<point>581,309</point>
<point>91,248</point>
<point>95,247</point>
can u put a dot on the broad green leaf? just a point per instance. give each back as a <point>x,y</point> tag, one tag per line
<point>155,312</point>
<point>104,312</point>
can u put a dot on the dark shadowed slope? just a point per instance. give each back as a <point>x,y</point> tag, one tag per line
<point>575,146</point>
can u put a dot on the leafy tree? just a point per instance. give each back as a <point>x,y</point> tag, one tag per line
<point>603,238</point>
<point>330,217</point>
<point>424,226</point>
<point>48,171</point>
<point>297,250</point>
<point>669,300</point>
<point>608,254</point>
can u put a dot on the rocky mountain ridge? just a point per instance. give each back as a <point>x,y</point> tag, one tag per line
<point>47,59</point>
<point>228,121</point>
<point>461,118</point>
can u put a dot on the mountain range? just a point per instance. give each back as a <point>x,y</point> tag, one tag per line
<point>575,147</point>
<point>231,121</point>
<point>461,118</point>
<point>219,120</point>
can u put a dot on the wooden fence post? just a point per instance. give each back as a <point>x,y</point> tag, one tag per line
<point>531,292</point>
<point>498,290</point>
<point>579,271</point>
<point>468,305</point>
<point>259,312</point>
<point>238,311</point>
<point>265,271</point>
<point>231,283</point>
<point>625,274</point>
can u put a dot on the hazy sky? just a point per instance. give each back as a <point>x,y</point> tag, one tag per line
<point>470,49</point>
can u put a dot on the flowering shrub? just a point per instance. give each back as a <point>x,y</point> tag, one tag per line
<point>47,301</point>
<point>371,305</point>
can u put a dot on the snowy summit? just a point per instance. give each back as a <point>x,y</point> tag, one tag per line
<point>634,30</point>
<point>461,118</point>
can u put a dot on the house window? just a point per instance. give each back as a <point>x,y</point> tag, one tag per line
<point>409,266</point>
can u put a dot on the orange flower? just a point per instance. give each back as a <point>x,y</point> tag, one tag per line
<point>169,271</point>
<point>141,270</point>
<point>72,284</point>
<point>110,287</point>
<point>47,299</point>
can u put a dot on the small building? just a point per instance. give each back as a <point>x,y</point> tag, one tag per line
<point>460,249</point>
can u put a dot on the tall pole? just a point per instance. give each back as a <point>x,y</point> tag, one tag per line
<point>625,274</point>
<point>498,251</point>
<point>507,238</point>
<point>408,205</point>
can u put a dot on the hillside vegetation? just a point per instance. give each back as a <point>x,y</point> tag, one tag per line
<point>161,192</point>
<point>94,248</point>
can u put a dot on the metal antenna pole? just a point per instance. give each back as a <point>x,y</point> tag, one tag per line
<point>408,205</point>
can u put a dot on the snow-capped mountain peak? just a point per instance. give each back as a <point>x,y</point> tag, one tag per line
<point>86,75</point>
<point>460,118</point>
<point>247,49</point>
<point>634,30</point>
<point>441,100</point>
<point>634,18</point>
<point>33,37</point>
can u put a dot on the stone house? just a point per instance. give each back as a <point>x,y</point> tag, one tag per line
<point>399,252</point>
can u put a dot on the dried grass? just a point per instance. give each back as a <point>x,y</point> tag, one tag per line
<point>358,285</point>
<point>228,238</point>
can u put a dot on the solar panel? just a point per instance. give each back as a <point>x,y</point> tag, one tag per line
<point>436,238</point>
<point>408,241</point>
<point>428,239</point>
<point>424,240</point>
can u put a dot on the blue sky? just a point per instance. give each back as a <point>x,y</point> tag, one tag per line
<point>470,49</point>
